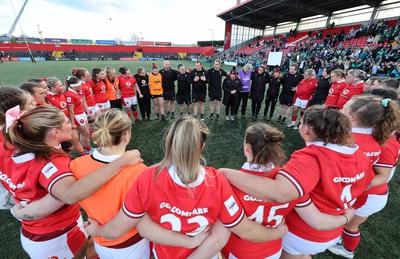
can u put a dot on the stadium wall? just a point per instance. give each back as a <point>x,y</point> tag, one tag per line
<point>15,47</point>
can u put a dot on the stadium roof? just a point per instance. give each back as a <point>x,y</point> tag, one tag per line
<point>261,13</point>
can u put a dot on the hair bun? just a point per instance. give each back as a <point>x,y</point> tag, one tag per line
<point>273,135</point>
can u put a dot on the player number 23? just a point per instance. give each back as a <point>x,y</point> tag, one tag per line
<point>177,224</point>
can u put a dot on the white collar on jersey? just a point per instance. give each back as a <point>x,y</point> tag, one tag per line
<point>257,167</point>
<point>174,176</point>
<point>69,89</point>
<point>340,81</point>
<point>335,147</point>
<point>23,158</point>
<point>362,130</point>
<point>27,157</point>
<point>103,158</point>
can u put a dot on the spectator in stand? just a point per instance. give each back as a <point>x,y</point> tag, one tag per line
<point>323,86</point>
<point>382,71</point>
<point>183,94</point>
<point>339,65</point>
<point>355,86</point>
<point>99,89</point>
<point>304,92</point>
<point>142,80</point>
<point>231,87</point>
<point>374,69</point>
<point>198,79</point>
<point>128,85</point>
<point>169,77</point>
<point>156,91</point>
<point>395,72</point>
<point>112,88</point>
<point>214,88</point>
<point>245,77</point>
<point>289,83</point>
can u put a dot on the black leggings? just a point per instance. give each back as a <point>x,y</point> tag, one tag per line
<point>269,101</point>
<point>243,97</point>
<point>145,106</point>
<point>256,106</point>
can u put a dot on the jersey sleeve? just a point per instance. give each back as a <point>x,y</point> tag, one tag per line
<point>53,171</point>
<point>303,201</point>
<point>70,99</point>
<point>302,171</point>
<point>133,206</point>
<point>387,158</point>
<point>232,212</point>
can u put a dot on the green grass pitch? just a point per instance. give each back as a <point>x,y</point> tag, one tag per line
<point>380,236</point>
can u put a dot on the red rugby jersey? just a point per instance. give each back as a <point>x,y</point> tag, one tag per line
<point>73,98</point>
<point>334,93</point>
<point>334,176</point>
<point>268,214</point>
<point>88,92</point>
<point>187,210</point>
<point>349,91</point>
<point>99,90</point>
<point>29,179</point>
<point>58,101</point>
<point>127,86</point>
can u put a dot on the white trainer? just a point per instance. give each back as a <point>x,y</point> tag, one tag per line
<point>340,250</point>
<point>292,124</point>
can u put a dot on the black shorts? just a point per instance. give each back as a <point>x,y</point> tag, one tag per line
<point>198,97</point>
<point>286,100</point>
<point>215,96</point>
<point>156,96</point>
<point>169,96</point>
<point>180,99</point>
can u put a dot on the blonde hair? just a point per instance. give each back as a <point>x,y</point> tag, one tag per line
<point>51,81</point>
<point>110,127</point>
<point>339,73</point>
<point>357,73</point>
<point>108,70</point>
<point>28,134</point>
<point>310,72</point>
<point>183,147</point>
<point>247,66</point>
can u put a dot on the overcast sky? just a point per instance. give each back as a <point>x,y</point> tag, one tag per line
<point>176,21</point>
